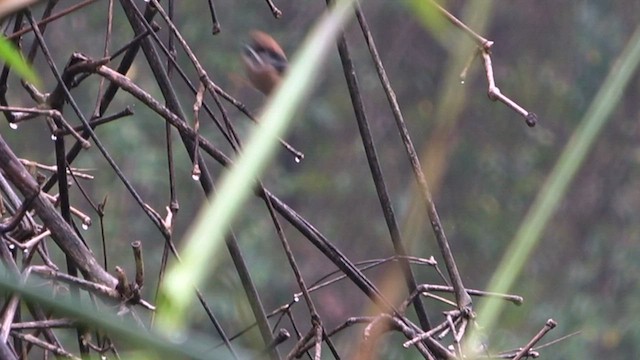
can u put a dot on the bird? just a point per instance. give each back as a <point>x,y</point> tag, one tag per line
<point>265,61</point>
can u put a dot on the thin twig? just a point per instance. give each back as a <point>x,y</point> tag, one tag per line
<point>462,298</point>
<point>51,18</point>
<point>274,10</point>
<point>525,350</point>
<point>494,93</point>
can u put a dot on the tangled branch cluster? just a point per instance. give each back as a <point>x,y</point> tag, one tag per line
<point>39,216</point>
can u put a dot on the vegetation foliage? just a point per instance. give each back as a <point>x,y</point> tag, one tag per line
<point>548,212</point>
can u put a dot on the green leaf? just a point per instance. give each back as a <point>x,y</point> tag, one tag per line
<point>10,54</point>
<point>212,224</point>
<point>148,344</point>
<point>426,14</point>
<point>559,180</point>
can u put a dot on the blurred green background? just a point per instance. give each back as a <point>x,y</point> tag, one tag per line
<point>484,164</point>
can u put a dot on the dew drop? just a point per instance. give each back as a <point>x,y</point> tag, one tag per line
<point>297,159</point>
<point>461,82</point>
<point>296,298</point>
<point>25,251</point>
<point>14,126</point>
<point>195,172</point>
<point>11,246</point>
<point>85,226</point>
<point>53,137</point>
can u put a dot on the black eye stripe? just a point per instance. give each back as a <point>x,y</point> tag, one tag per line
<point>281,66</point>
<point>262,50</point>
<point>277,60</point>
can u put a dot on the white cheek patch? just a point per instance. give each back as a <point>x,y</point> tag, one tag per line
<point>252,57</point>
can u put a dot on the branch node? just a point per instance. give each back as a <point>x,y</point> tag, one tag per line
<point>531,119</point>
